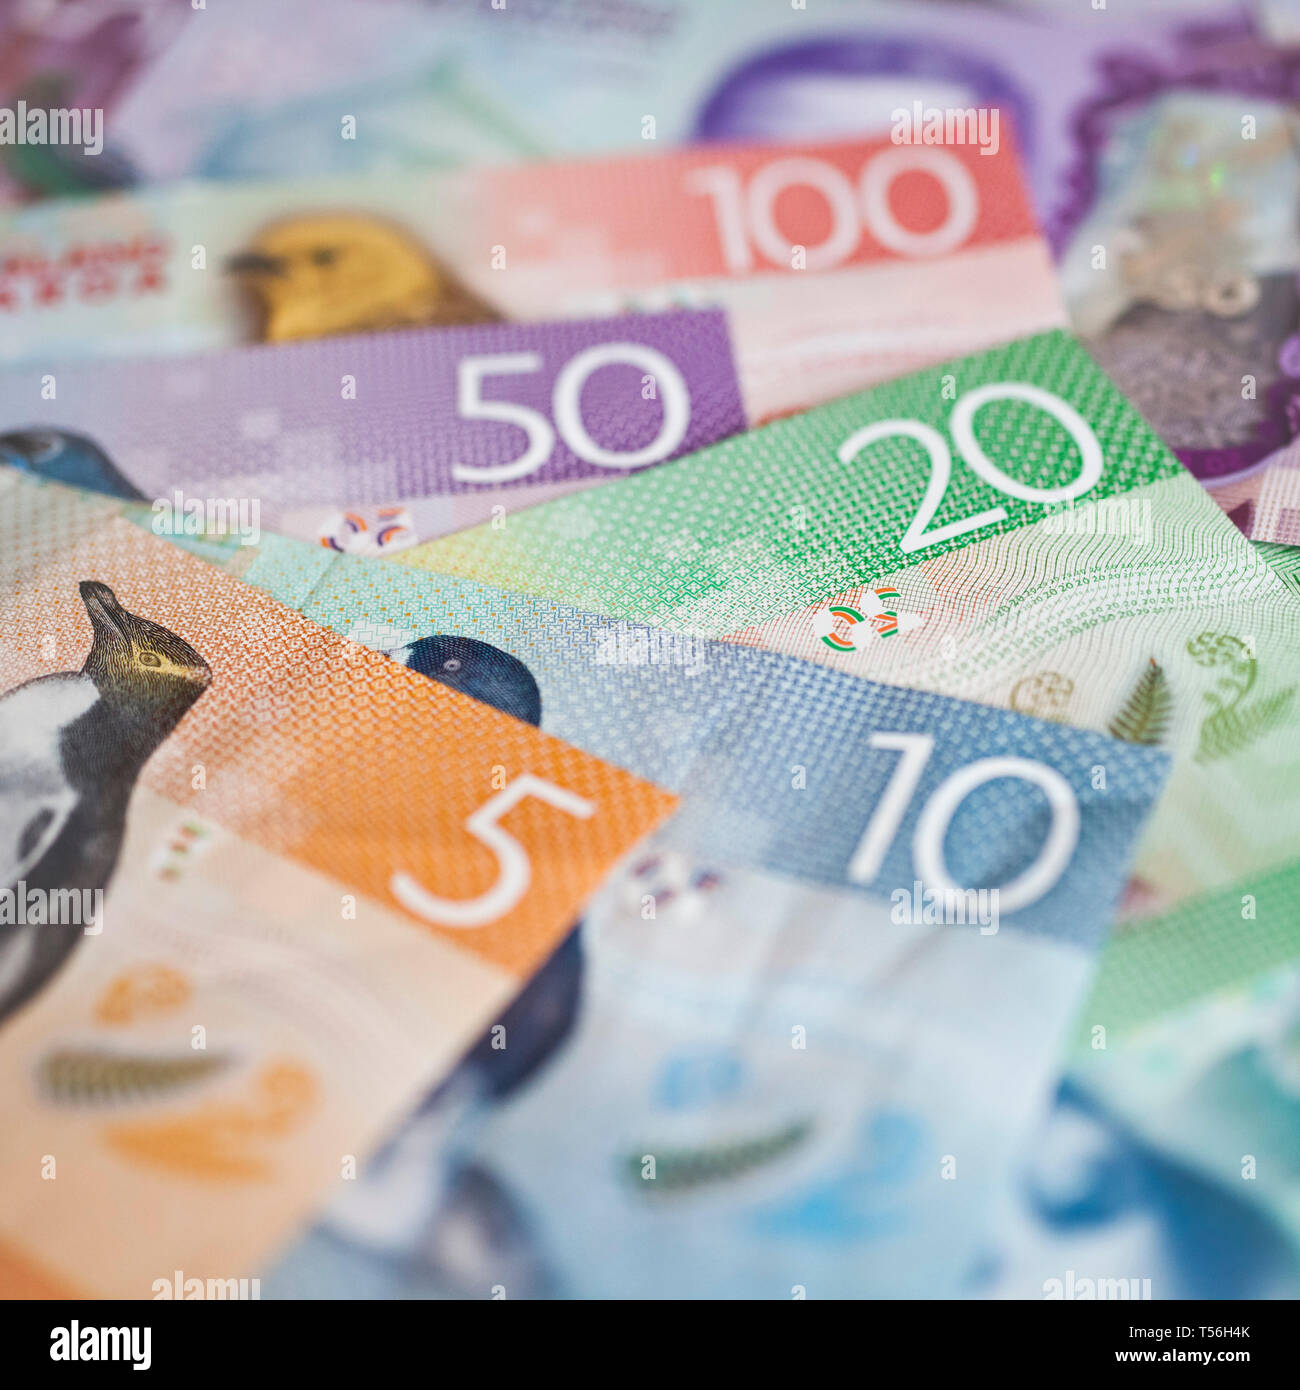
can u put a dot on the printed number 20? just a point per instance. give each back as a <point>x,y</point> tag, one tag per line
<point>961,426</point>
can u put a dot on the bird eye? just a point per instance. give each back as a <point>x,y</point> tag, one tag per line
<point>149,659</point>
<point>323,255</point>
<point>45,447</point>
<point>451,664</point>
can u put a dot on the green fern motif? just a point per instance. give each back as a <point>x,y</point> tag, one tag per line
<point>92,1076</point>
<point>1284,561</point>
<point>1145,715</point>
<point>1233,724</point>
<point>1231,730</point>
<point>686,1170</point>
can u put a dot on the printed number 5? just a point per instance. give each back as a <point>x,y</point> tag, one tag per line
<point>516,869</point>
<point>961,426</point>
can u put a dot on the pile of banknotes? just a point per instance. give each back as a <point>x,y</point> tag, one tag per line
<point>650,650</point>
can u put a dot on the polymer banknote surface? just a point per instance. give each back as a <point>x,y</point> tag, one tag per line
<point>838,264</point>
<point>745,1059</point>
<point>1183,282</point>
<point>370,443</point>
<point>1005,528</point>
<point>261,888</point>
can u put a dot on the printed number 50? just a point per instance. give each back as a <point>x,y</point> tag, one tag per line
<point>961,426</point>
<point>566,405</point>
<point>932,826</point>
<point>516,868</point>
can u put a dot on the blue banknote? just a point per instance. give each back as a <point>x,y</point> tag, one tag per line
<point>773,1060</point>
<point>1098,1211</point>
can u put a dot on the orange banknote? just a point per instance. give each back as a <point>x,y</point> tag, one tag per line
<point>260,887</point>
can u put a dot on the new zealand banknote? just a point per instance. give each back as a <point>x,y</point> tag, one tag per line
<point>767,1043</point>
<point>1063,563</point>
<point>838,264</point>
<point>260,888</point>
<point>240,92</point>
<point>373,442</point>
<point>1216,1085</point>
<point>740,71</point>
<point>1183,282</point>
<point>1100,1211</point>
<point>82,59</point>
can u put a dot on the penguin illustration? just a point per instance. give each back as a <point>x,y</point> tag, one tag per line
<point>349,273</point>
<point>64,457</point>
<point>71,747</point>
<point>478,669</point>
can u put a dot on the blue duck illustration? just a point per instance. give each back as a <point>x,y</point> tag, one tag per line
<point>65,457</point>
<point>71,748</point>
<point>478,669</point>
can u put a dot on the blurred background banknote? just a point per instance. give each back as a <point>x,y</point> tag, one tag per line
<point>753,1051</point>
<point>242,93</point>
<point>838,264</point>
<point>1183,281</point>
<point>286,941</point>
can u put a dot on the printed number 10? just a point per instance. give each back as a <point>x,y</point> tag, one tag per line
<point>936,816</point>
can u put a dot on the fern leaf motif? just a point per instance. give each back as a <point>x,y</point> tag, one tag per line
<point>1145,715</point>
<point>1229,731</point>
<point>686,1170</point>
<point>94,1076</point>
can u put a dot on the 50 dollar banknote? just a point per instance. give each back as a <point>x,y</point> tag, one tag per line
<point>371,443</point>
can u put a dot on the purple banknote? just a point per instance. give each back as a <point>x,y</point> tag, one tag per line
<point>375,442</point>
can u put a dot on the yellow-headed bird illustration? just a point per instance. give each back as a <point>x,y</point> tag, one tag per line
<point>349,273</point>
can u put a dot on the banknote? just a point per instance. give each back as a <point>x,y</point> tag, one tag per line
<point>1099,1211</point>
<point>239,93</point>
<point>838,264</point>
<point>744,1065</point>
<point>1183,282</point>
<point>306,880</point>
<point>74,58</point>
<point>739,71</point>
<point>1063,564</point>
<point>368,443</point>
<point>1216,1086</point>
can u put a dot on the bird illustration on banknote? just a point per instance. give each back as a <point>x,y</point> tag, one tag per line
<point>71,748</point>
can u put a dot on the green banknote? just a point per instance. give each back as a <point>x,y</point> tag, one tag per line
<point>1008,529</point>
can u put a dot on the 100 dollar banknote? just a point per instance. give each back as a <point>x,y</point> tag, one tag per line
<point>736,71</point>
<point>852,951</point>
<point>838,264</point>
<point>260,888</point>
<point>1007,529</point>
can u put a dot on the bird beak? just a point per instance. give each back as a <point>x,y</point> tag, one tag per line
<point>255,263</point>
<point>105,612</point>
